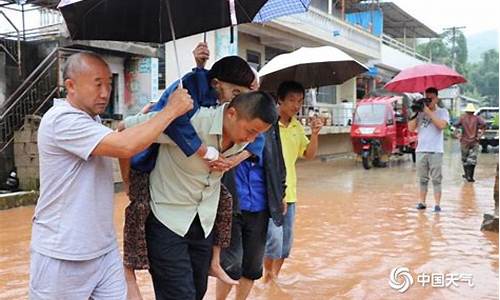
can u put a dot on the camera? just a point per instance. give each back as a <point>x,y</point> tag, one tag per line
<point>418,105</point>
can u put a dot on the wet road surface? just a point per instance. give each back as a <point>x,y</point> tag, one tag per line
<point>353,226</point>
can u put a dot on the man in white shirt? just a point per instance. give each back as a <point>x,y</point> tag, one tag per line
<point>74,250</point>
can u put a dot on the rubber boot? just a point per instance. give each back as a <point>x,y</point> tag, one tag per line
<point>471,173</point>
<point>465,175</point>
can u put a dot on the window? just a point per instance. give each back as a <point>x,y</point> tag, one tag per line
<point>327,94</point>
<point>272,52</point>
<point>370,114</point>
<point>253,59</point>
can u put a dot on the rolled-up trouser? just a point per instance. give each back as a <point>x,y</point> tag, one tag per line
<point>469,154</point>
<point>429,167</point>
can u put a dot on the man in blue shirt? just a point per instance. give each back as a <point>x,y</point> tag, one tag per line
<point>258,189</point>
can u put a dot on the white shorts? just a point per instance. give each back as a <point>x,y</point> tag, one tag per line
<point>99,278</point>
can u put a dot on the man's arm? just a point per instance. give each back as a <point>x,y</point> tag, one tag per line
<point>413,123</point>
<point>126,143</point>
<point>125,171</point>
<point>312,148</point>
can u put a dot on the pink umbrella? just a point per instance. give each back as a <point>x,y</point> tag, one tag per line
<point>421,77</point>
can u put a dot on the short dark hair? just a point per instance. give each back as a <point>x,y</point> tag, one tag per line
<point>232,69</point>
<point>287,87</point>
<point>256,105</point>
<point>432,90</point>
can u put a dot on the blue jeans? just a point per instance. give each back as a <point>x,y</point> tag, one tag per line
<point>280,238</point>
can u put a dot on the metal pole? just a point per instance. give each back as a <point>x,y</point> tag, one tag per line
<point>174,43</point>
<point>453,49</point>
<point>343,10</point>
<point>404,35</point>
<point>24,28</point>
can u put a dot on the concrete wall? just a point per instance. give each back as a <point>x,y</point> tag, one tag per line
<point>248,42</point>
<point>218,43</point>
<point>26,154</point>
<point>6,163</point>
<point>116,64</point>
<point>185,48</point>
<point>396,59</point>
<point>347,91</point>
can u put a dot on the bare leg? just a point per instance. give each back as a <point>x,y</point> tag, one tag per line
<point>222,289</point>
<point>268,270</point>
<point>244,288</point>
<point>216,270</point>
<point>423,195</point>
<point>133,292</point>
<point>437,198</point>
<point>277,264</point>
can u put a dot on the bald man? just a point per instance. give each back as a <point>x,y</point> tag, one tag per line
<point>74,252</point>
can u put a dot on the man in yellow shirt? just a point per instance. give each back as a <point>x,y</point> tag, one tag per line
<point>295,145</point>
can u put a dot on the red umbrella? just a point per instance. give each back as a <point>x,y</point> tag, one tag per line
<point>421,77</point>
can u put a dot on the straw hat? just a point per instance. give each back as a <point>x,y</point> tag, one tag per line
<point>470,108</point>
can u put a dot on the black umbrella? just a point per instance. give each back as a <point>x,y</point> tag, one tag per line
<point>148,20</point>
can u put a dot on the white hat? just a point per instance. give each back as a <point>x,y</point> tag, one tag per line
<point>470,108</point>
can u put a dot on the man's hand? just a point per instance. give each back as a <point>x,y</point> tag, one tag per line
<point>120,126</point>
<point>146,108</point>
<point>221,164</point>
<point>427,110</point>
<point>201,54</point>
<point>179,102</point>
<point>316,125</point>
<point>285,207</point>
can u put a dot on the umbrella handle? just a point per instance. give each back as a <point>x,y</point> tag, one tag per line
<point>174,43</point>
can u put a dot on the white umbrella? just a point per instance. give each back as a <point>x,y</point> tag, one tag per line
<point>312,67</point>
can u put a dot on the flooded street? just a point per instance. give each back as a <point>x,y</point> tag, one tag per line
<point>353,226</point>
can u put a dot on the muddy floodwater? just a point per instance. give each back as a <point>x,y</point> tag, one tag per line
<point>353,227</point>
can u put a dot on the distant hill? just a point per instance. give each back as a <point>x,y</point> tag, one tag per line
<point>480,42</point>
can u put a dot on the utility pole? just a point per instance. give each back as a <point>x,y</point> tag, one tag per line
<point>453,49</point>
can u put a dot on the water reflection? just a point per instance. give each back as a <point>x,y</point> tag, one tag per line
<point>353,226</point>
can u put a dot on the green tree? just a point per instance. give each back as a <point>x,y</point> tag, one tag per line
<point>441,50</point>
<point>459,48</point>
<point>484,76</point>
<point>436,50</point>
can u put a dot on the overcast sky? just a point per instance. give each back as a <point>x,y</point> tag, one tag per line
<point>476,15</point>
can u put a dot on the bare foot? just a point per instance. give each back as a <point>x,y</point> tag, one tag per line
<point>268,277</point>
<point>217,272</point>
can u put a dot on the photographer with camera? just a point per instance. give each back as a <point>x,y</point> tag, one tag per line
<point>429,120</point>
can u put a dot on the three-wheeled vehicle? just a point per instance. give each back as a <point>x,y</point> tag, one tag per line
<point>380,129</point>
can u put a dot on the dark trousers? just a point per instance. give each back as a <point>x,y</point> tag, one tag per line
<point>245,254</point>
<point>178,265</point>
